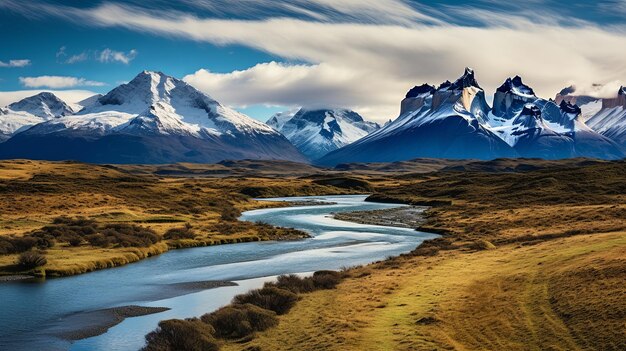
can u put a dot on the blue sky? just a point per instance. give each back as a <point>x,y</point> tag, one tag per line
<point>262,56</point>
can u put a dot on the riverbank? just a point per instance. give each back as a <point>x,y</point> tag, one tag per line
<point>528,262</point>
<point>80,218</point>
<point>402,217</point>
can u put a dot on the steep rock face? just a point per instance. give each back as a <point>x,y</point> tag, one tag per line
<point>446,122</point>
<point>317,132</point>
<point>610,121</point>
<point>157,119</point>
<point>557,132</point>
<point>619,101</point>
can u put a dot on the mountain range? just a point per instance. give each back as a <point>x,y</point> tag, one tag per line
<point>606,116</point>
<point>454,120</point>
<point>156,118</point>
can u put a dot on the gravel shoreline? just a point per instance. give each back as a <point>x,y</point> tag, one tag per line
<point>88,324</point>
<point>402,217</point>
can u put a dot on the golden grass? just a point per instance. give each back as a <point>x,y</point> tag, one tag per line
<point>33,193</point>
<point>554,281</point>
<point>511,298</point>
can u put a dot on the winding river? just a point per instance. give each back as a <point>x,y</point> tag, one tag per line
<point>33,313</point>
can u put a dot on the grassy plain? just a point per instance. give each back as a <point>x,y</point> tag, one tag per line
<point>533,253</point>
<point>33,194</point>
<point>530,260</point>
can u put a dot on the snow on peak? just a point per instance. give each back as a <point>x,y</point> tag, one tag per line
<point>622,90</point>
<point>516,86</point>
<point>160,104</point>
<point>45,105</point>
<point>570,109</point>
<point>316,132</point>
<point>424,89</point>
<point>278,120</point>
<point>467,80</point>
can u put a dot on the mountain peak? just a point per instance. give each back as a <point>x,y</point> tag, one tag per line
<point>316,132</point>
<point>531,110</point>
<point>420,90</point>
<point>568,108</point>
<point>466,80</point>
<point>567,91</point>
<point>44,104</point>
<point>622,90</point>
<point>444,85</point>
<point>515,85</point>
<point>149,87</point>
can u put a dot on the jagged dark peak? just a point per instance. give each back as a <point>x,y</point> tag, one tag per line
<point>419,90</point>
<point>515,85</point>
<point>444,85</point>
<point>531,110</point>
<point>622,90</point>
<point>466,80</point>
<point>566,91</point>
<point>569,108</point>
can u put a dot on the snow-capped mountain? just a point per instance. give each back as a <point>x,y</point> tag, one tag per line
<point>537,127</point>
<point>444,122</point>
<point>454,121</point>
<point>317,132</point>
<point>279,119</point>
<point>589,105</point>
<point>610,120</point>
<point>154,118</point>
<point>32,110</point>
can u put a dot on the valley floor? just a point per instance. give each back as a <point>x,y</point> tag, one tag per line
<point>563,294</point>
<point>532,260</point>
<point>532,257</point>
<point>83,217</point>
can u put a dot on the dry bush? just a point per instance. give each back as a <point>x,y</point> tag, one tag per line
<point>320,280</point>
<point>179,233</point>
<point>31,259</point>
<point>10,245</point>
<point>178,335</point>
<point>76,230</point>
<point>269,298</point>
<point>238,321</point>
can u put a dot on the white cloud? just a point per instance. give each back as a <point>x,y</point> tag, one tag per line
<point>62,56</point>
<point>108,55</point>
<point>311,86</point>
<point>15,63</point>
<point>608,90</point>
<point>77,58</point>
<point>369,65</point>
<point>57,82</point>
<point>69,96</point>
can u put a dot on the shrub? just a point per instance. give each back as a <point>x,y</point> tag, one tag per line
<point>9,245</point>
<point>230,213</point>
<point>482,245</point>
<point>76,241</point>
<point>238,321</point>
<point>320,280</point>
<point>326,279</point>
<point>31,259</point>
<point>74,231</point>
<point>176,335</point>
<point>179,233</point>
<point>270,298</point>
<point>293,283</point>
